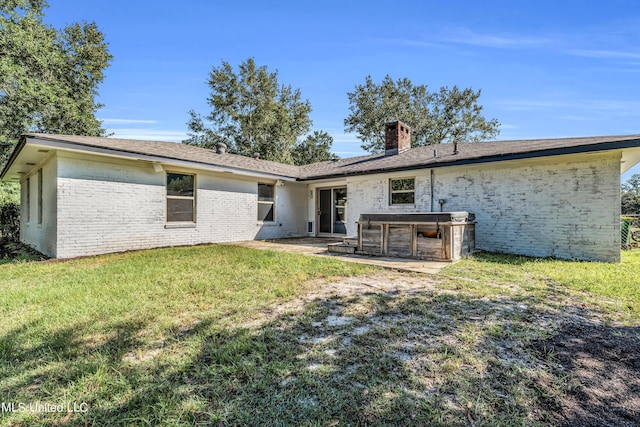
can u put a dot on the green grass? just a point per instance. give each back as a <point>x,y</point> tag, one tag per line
<point>613,287</point>
<point>193,336</point>
<point>120,331</point>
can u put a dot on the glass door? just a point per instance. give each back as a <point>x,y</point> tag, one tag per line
<point>339,211</point>
<point>324,211</point>
<point>332,209</point>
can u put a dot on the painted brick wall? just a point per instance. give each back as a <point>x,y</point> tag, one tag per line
<point>370,194</point>
<point>291,211</point>
<point>110,207</point>
<point>40,236</point>
<point>542,208</point>
<point>567,207</point>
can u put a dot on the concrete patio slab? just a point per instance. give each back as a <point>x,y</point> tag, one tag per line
<point>317,246</point>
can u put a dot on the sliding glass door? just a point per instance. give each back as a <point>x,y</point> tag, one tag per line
<point>332,209</point>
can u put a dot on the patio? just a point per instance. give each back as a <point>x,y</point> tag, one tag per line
<point>317,246</point>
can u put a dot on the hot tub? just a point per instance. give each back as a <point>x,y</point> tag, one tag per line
<point>438,236</point>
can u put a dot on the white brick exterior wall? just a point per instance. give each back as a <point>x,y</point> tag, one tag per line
<point>40,236</point>
<point>542,208</point>
<point>565,206</point>
<point>110,206</point>
<point>370,194</point>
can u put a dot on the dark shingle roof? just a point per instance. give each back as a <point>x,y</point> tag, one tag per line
<point>479,152</point>
<point>415,158</point>
<point>177,151</point>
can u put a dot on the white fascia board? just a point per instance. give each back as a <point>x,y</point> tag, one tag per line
<point>59,145</point>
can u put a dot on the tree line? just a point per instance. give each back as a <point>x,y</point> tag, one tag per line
<point>630,196</point>
<point>49,81</point>
<point>251,112</point>
<point>49,77</point>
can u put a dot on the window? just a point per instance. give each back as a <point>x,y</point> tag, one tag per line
<point>402,191</point>
<point>180,197</point>
<point>266,205</point>
<point>28,204</point>
<point>40,196</point>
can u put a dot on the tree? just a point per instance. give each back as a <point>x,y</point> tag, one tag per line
<point>630,195</point>
<point>251,113</point>
<point>48,78</point>
<point>434,117</point>
<point>315,148</point>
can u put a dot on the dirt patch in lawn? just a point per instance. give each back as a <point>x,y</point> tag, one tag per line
<point>468,358</point>
<point>384,282</point>
<point>603,368</point>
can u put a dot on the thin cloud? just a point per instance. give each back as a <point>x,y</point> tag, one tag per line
<point>344,137</point>
<point>445,38</point>
<point>497,41</point>
<point>409,42</point>
<point>346,144</point>
<point>576,118</point>
<point>575,104</point>
<point>527,104</point>
<point>347,154</point>
<point>604,54</point>
<point>150,134</point>
<point>128,121</point>
<point>559,43</point>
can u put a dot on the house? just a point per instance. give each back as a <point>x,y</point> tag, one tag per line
<point>87,195</point>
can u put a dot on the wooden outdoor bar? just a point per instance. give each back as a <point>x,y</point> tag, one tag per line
<point>437,236</point>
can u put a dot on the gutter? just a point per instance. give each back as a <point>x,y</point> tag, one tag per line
<point>14,156</point>
<point>132,155</point>
<point>580,149</point>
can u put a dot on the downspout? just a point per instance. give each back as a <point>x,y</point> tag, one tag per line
<point>432,189</point>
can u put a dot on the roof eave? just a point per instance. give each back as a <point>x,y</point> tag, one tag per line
<point>132,155</point>
<point>581,149</point>
<point>14,155</point>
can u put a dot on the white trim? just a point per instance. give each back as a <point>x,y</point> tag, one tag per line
<point>273,203</point>
<point>317,231</point>
<point>392,192</point>
<point>171,225</point>
<point>190,164</point>
<point>194,215</point>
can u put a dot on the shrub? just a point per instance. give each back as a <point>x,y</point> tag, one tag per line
<point>10,221</point>
<point>9,211</point>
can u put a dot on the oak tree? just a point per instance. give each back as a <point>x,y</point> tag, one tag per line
<point>630,195</point>
<point>447,115</point>
<point>48,77</point>
<point>251,112</point>
<point>316,147</point>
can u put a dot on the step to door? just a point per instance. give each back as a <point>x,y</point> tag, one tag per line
<point>342,248</point>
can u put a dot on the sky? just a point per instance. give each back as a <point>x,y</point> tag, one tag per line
<point>546,69</point>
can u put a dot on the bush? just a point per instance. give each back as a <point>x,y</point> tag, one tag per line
<point>10,221</point>
<point>9,211</point>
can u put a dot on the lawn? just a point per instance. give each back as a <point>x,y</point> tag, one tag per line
<point>223,335</point>
<point>612,287</point>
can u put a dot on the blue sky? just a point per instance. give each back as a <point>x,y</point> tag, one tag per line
<point>545,68</point>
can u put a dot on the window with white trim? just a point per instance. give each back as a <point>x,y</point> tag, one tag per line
<point>40,196</point>
<point>181,197</point>
<point>402,191</point>
<point>266,202</point>
<point>28,200</point>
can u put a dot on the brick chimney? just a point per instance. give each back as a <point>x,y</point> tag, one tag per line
<point>397,138</point>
